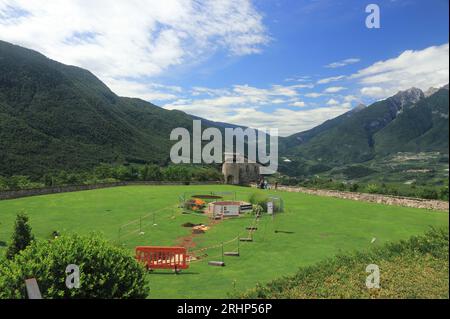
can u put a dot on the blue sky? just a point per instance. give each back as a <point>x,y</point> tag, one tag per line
<point>285,64</point>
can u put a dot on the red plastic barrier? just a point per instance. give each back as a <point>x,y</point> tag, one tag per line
<point>163,257</point>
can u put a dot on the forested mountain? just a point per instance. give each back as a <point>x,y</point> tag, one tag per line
<point>421,127</point>
<point>59,117</point>
<point>54,116</point>
<point>303,137</point>
<point>406,122</point>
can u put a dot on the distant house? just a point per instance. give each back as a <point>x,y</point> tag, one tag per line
<point>239,170</point>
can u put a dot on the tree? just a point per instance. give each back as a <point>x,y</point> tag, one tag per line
<point>21,238</point>
<point>3,183</point>
<point>372,189</point>
<point>151,173</point>
<point>104,271</point>
<point>177,174</point>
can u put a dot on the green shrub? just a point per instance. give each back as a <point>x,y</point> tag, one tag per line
<point>428,193</point>
<point>259,199</point>
<point>443,193</point>
<point>106,271</point>
<point>21,238</point>
<point>354,187</point>
<point>372,189</point>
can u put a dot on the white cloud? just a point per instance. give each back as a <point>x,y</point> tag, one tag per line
<point>287,121</point>
<point>245,105</point>
<point>303,78</point>
<point>350,98</point>
<point>332,102</point>
<point>239,96</point>
<point>331,79</point>
<point>313,95</point>
<point>298,104</point>
<point>374,91</point>
<point>132,39</point>
<point>334,89</point>
<point>422,69</point>
<point>342,63</point>
<point>196,91</point>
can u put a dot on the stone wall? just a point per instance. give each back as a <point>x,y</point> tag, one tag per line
<point>75,188</point>
<point>374,198</point>
<point>240,173</point>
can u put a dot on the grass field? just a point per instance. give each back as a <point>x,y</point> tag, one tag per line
<point>311,229</point>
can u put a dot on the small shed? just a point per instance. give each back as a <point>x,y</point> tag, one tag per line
<point>225,209</point>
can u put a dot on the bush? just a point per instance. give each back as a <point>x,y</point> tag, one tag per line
<point>428,193</point>
<point>177,174</point>
<point>443,193</point>
<point>21,237</point>
<point>372,189</point>
<point>105,271</point>
<point>354,187</point>
<point>259,199</point>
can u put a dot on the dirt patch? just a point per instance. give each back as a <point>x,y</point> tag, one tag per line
<point>190,225</point>
<point>186,242</point>
<point>207,196</point>
<point>189,241</point>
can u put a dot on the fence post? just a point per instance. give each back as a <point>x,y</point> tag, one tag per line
<point>33,291</point>
<point>239,252</point>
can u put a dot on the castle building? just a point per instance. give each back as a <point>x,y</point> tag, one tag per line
<point>238,170</point>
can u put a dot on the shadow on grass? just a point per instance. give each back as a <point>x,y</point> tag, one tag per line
<point>2,243</point>
<point>284,232</point>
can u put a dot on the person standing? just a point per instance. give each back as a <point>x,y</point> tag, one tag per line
<point>261,183</point>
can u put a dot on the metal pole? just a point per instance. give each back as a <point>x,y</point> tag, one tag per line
<point>222,253</point>
<point>239,252</point>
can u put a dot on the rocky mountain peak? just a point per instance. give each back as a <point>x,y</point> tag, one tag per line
<point>410,96</point>
<point>430,91</point>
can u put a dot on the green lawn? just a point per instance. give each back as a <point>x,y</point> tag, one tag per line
<point>312,228</point>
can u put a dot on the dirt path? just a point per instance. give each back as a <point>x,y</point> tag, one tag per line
<point>188,241</point>
<point>374,198</point>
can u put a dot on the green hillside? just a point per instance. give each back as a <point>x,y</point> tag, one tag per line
<point>350,139</point>
<point>56,117</point>
<point>422,127</point>
<point>406,122</point>
<point>303,137</point>
<point>63,117</point>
